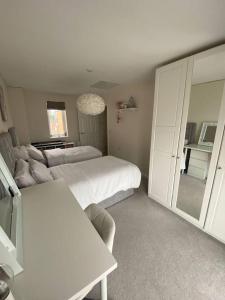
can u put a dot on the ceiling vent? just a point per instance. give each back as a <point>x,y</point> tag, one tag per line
<point>104,85</point>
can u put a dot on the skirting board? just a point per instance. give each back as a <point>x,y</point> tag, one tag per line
<point>116,198</point>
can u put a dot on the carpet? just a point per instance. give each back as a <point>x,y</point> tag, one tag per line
<point>190,195</point>
<point>161,256</point>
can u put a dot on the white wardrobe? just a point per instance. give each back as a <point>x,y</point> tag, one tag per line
<point>190,92</point>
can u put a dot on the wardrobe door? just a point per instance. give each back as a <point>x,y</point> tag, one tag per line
<point>215,221</point>
<point>168,103</point>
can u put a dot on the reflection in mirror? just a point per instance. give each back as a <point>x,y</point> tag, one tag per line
<point>207,134</point>
<point>6,206</point>
<point>204,107</point>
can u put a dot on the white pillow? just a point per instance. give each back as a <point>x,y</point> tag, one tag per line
<point>22,177</point>
<point>39,171</point>
<point>20,152</point>
<point>35,154</point>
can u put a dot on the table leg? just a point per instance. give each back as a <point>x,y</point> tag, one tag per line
<point>104,289</point>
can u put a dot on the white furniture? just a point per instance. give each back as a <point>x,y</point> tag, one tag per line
<point>63,253</point>
<point>172,97</point>
<point>169,96</point>
<point>215,222</point>
<point>105,226</point>
<point>199,160</point>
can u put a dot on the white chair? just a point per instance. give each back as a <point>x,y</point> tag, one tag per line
<point>105,226</point>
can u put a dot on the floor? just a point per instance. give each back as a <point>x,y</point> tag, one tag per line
<point>190,195</point>
<point>161,256</point>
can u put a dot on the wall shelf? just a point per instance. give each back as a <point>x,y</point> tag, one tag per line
<point>127,109</point>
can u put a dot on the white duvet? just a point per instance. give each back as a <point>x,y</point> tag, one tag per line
<point>97,179</point>
<point>59,156</point>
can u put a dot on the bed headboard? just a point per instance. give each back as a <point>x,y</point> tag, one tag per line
<point>14,137</point>
<point>6,149</point>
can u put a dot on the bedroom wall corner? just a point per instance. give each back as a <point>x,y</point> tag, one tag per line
<point>130,138</point>
<point>19,114</point>
<point>5,125</point>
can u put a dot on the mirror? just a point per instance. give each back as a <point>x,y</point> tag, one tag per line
<point>6,208</point>
<point>10,220</point>
<point>205,101</point>
<point>208,133</point>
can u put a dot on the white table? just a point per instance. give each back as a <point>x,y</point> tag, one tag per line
<point>63,253</point>
<point>197,147</point>
<point>200,162</point>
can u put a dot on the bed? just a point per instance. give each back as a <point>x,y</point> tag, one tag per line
<point>59,156</point>
<point>105,180</point>
<point>100,179</point>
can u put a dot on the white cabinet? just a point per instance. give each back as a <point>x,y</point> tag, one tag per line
<point>215,221</point>
<point>173,85</point>
<point>199,164</point>
<point>169,97</point>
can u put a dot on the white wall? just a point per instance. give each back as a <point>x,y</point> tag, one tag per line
<point>130,139</point>
<point>29,110</point>
<point>4,125</point>
<point>19,115</point>
<point>205,101</point>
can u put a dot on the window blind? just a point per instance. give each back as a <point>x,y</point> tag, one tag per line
<point>56,105</point>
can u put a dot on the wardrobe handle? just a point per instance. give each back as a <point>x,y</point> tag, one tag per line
<point>178,157</point>
<point>219,168</point>
<point>173,156</point>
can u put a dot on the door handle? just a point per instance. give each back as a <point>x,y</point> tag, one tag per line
<point>178,157</point>
<point>173,156</point>
<point>219,168</point>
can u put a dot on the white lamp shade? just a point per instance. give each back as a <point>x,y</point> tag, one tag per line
<point>90,104</point>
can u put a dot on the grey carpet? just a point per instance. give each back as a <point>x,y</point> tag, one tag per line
<point>190,195</point>
<point>161,256</point>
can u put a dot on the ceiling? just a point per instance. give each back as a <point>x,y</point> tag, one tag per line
<point>209,68</point>
<point>48,45</point>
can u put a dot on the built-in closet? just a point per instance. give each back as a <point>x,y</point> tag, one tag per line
<point>187,156</point>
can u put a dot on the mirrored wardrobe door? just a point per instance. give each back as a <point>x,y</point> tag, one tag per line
<point>200,140</point>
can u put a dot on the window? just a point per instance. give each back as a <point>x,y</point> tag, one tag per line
<point>57,119</point>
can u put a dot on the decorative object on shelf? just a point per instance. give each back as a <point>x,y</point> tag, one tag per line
<point>129,105</point>
<point>3,105</point>
<point>90,104</point>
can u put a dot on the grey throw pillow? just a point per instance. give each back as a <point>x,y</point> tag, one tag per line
<point>39,171</point>
<point>36,154</point>
<point>20,152</point>
<point>23,177</point>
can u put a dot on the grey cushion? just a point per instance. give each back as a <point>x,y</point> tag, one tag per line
<point>103,223</point>
<point>22,177</point>
<point>6,149</point>
<point>36,154</point>
<point>21,152</point>
<point>39,171</point>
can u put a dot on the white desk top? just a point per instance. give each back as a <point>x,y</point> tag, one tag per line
<point>63,253</point>
<point>199,147</point>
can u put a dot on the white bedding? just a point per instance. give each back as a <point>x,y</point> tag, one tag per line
<point>58,156</point>
<point>98,179</point>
